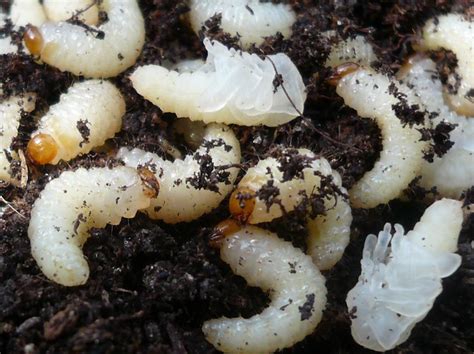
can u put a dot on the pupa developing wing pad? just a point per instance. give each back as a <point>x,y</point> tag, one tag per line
<point>232,87</point>
<point>401,277</point>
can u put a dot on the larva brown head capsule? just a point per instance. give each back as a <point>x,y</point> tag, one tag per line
<point>33,40</point>
<point>42,149</point>
<point>242,203</point>
<point>340,71</point>
<point>151,186</point>
<point>221,231</point>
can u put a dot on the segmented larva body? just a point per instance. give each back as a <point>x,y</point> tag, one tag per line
<point>196,185</point>
<point>290,190</point>
<point>72,204</point>
<point>295,286</point>
<point>354,50</point>
<point>329,233</point>
<point>10,114</point>
<point>399,283</point>
<point>375,96</point>
<point>251,20</point>
<point>232,87</point>
<point>60,10</point>
<point>272,193</point>
<point>438,34</point>
<point>452,173</point>
<point>88,114</point>
<point>27,12</point>
<point>100,52</point>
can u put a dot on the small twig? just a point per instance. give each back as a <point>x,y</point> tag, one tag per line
<point>3,200</point>
<point>75,16</point>
<point>320,132</point>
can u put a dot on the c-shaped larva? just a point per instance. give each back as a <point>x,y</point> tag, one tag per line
<point>399,283</point>
<point>75,202</point>
<point>10,114</point>
<point>268,190</point>
<point>251,20</point>
<point>60,10</point>
<point>296,288</point>
<point>193,186</point>
<point>88,114</point>
<point>92,52</point>
<point>438,34</point>
<point>453,173</point>
<point>232,87</point>
<point>399,114</point>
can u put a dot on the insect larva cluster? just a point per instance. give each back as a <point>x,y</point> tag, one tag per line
<point>401,274</point>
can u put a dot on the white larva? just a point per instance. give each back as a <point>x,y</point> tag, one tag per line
<point>27,12</point>
<point>439,34</point>
<point>93,52</point>
<point>10,114</point>
<point>251,20</point>
<point>453,173</point>
<point>296,288</point>
<point>399,283</point>
<point>328,234</point>
<point>232,87</point>
<point>400,160</point>
<point>292,189</point>
<point>88,114</point>
<point>87,11</point>
<point>181,197</point>
<point>354,50</point>
<point>72,204</point>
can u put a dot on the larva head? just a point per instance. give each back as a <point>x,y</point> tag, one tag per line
<point>221,231</point>
<point>151,186</point>
<point>340,71</point>
<point>242,203</point>
<point>42,149</point>
<point>33,40</point>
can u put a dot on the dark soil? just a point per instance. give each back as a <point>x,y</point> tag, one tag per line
<point>152,285</point>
